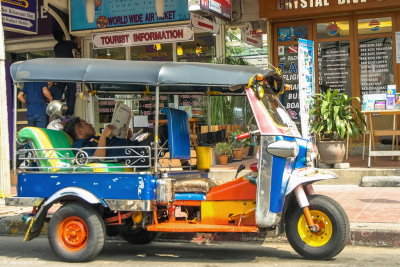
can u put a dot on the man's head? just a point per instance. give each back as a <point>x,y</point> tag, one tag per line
<point>79,129</point>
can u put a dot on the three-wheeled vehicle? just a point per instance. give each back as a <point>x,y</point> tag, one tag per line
<point>136,198</point>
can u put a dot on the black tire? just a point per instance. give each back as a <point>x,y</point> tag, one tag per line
<point>76,232</point>
<point>325,244</point>
<point>138,236</point>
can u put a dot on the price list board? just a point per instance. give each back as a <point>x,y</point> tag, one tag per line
<point>147,103</point>
<point>376,65</point>
<point>106,110</point>
<point>334,66</point>
<point>288,63</point>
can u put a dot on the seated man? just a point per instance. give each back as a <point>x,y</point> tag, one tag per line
<point>83,134</point>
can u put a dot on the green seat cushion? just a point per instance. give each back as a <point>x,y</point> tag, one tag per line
<point>40,138</point>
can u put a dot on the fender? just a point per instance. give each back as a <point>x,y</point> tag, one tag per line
<point>307,175</point>
<point>75,193</point>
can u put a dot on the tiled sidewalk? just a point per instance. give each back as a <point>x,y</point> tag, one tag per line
<point>366,204</point>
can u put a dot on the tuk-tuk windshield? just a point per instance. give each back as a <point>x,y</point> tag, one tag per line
<point>276,110</point>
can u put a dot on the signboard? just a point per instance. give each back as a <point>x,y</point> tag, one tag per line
<point>100,14</point>
<point>251,37</point>
<point>334,66</point>
<point>376,65</point>
<point>306,83</point>
<point>203,23</point>
<point>281,9</point>
<point>143,37</point>
<point>218,8</point>
<point>288,63</point>
<point>20,16</point>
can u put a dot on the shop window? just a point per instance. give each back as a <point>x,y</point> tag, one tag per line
<point>239,52</point>
<point>332,29</point>
<point>202,49</point>
<point>110,53</point>
<point>156,52</point>
<point>287,34</point>
<point>334,66</point>
<point>374,25</point>
<point>376,65</point>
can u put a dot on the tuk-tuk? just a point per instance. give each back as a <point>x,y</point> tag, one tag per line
<point>135,198</point>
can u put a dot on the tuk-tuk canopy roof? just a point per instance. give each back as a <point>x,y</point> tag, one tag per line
<point>151,73</point>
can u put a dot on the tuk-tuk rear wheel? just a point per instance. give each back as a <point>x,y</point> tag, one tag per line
<point>76,232</point>
<point>333,224</point>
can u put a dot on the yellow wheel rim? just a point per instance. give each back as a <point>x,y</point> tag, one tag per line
<point>319,238</point>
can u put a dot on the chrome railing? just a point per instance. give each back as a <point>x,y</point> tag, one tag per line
<point>134,157</point>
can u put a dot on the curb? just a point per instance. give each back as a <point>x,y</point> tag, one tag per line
<point>362,234</point>
<point>380,181</point>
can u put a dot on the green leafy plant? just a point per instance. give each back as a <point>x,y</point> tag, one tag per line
<point>223,148</point>
<point>236,144</point>
<point>334,118</point>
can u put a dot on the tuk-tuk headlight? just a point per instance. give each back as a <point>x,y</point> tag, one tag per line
<point>312,152</point>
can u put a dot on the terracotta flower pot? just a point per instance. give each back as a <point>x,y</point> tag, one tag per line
<point>246,152</point>
<point>332,152</point>
<point>237,154</point>
<point>223,159</point>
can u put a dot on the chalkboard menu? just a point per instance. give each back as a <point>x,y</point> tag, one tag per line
<point>334,66</point>
<point>376,65</point>
<point>288,63</point>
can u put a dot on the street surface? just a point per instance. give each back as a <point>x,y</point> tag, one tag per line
<point>14,252</point>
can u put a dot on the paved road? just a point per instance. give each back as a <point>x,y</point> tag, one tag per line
<point>13,252</point>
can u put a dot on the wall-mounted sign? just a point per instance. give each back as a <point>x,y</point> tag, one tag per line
<point>20,16</point>
<point>203,23</point>
<point>218,8</point>
<point>251,37</point>
<point>98,14</point>
<point>143,37</point>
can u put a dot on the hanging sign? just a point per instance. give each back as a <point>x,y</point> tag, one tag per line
<point>219,8</point>
<point>306,83</point>
<point>20,16</point>
<point>143,37</point>
<point>251,37</point>
<point>203,23</point>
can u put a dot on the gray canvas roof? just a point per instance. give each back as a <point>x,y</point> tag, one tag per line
<point>132,72</point>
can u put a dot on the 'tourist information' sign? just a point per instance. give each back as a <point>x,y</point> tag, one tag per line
<point>100,14</point>
<point>20,15</point>
<point>143,37</point>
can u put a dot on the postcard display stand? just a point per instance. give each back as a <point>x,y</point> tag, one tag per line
<point>381,105</point>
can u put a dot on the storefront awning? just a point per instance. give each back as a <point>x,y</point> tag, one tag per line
<point>133,72</point>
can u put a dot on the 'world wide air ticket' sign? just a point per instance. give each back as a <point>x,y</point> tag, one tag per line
<point>20,16</point>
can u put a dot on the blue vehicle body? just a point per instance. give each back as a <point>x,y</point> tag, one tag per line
<point>102,185</point>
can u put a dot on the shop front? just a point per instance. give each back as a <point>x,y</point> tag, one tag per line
<point>354,44</point>
<point>142,31</point>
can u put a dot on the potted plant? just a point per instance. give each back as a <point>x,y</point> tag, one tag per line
<point>224,151</point>
<point>237,145</point>
<point>334,119</point>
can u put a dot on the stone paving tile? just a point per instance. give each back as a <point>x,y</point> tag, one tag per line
<point>366,204</point>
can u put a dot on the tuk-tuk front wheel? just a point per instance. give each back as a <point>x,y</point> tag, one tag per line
<point>333,225</point>
<point>76,232</point>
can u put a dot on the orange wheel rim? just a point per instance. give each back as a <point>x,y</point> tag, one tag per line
<point>73,234</point>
